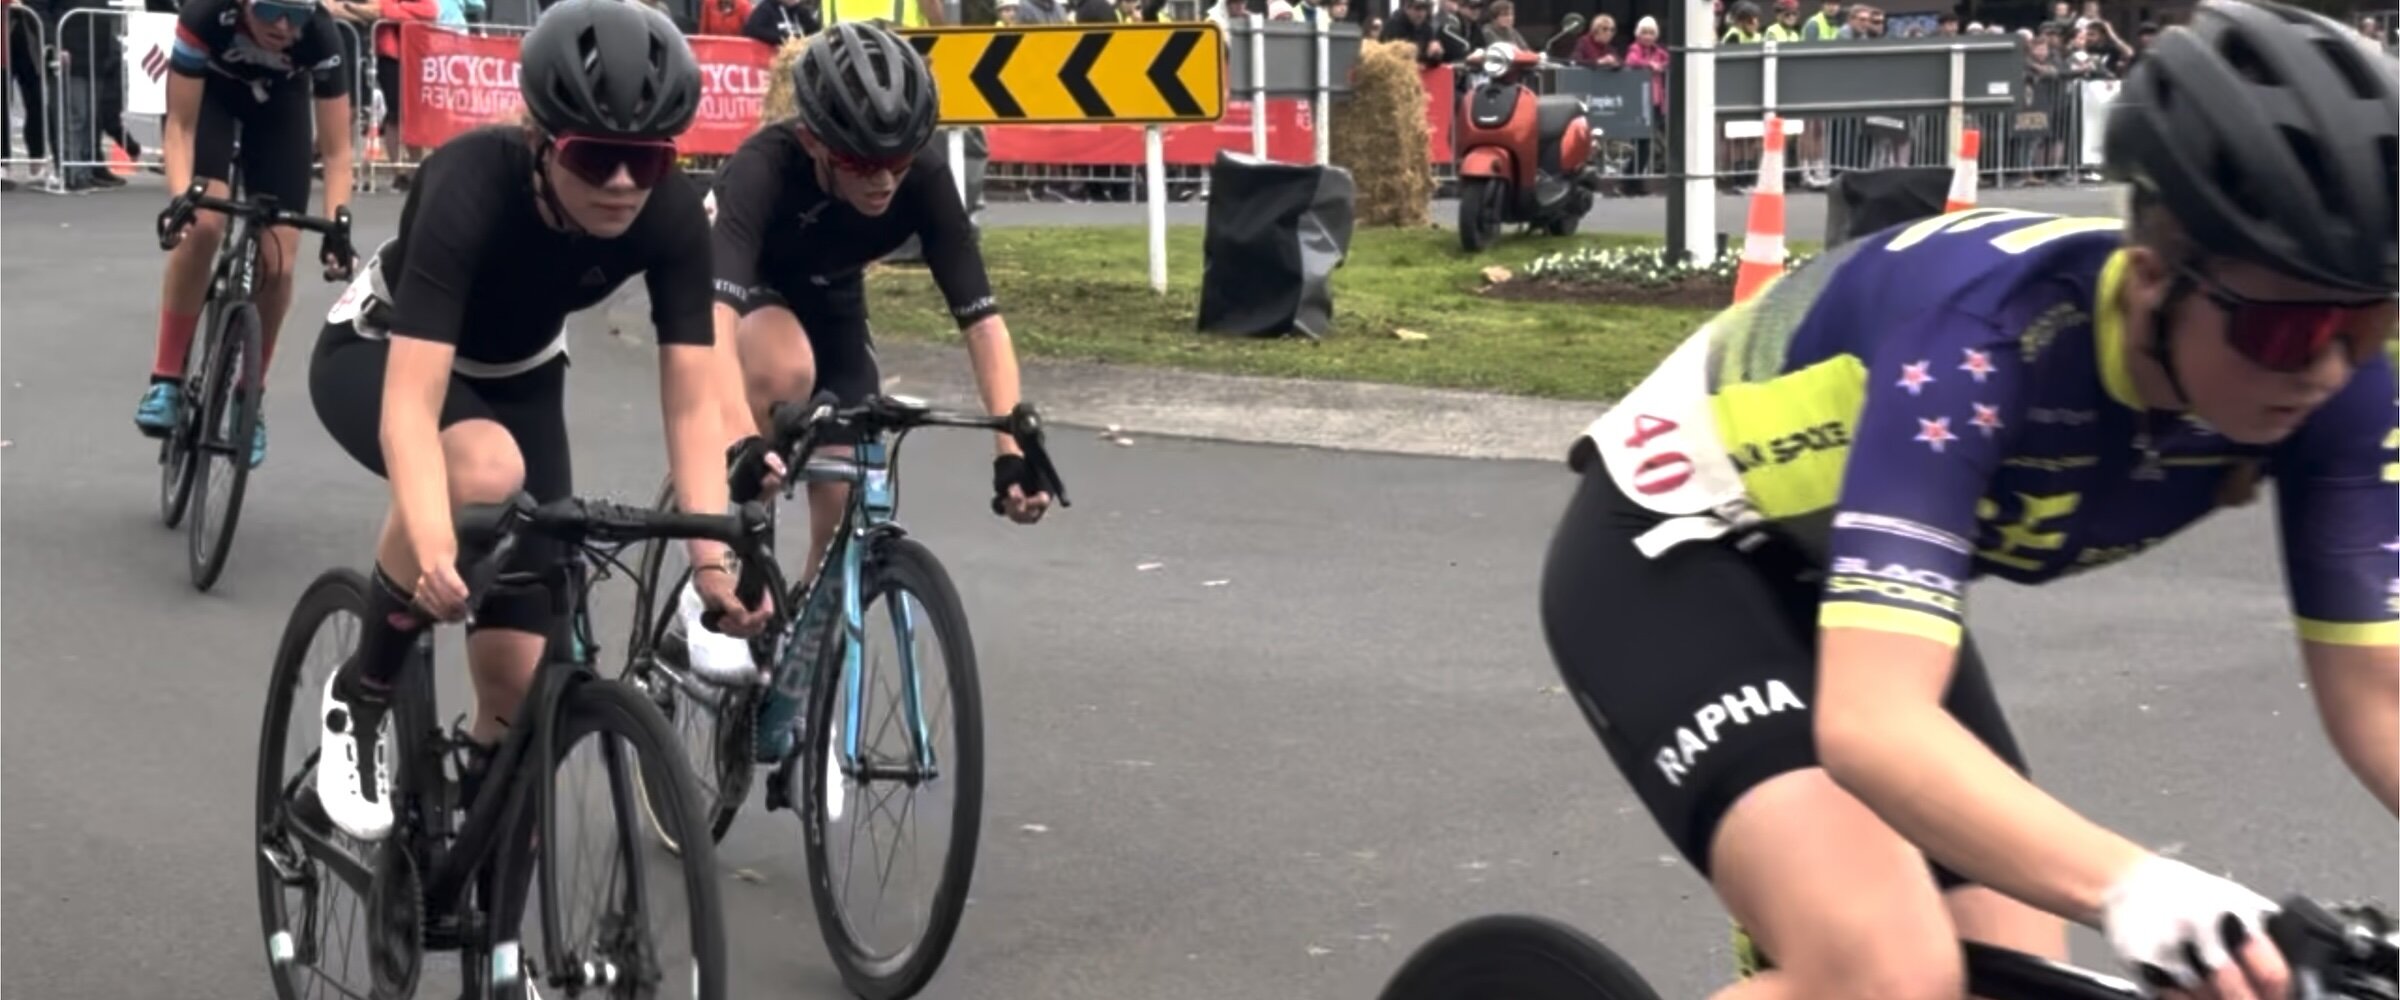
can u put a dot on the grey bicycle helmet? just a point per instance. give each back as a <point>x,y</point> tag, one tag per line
<point>865,92</point>
<point>2270,135</point>
<point>609,68</point>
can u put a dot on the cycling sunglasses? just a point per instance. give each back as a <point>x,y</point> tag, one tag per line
<point>2286,336</point>
<point>597,161</point>
<point>867,166</point>
<point>281,13</point>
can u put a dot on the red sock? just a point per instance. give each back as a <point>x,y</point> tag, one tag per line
<point>174,343</point>
<point>266,352</point>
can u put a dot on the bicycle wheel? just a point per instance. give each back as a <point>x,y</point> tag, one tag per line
<point>176,456</point>
<point>631,948</point>
<point>901,575</point>
<point>713,722</point>
<point>307,937</point>
<point>1519,957</point>
<point>228,420</point>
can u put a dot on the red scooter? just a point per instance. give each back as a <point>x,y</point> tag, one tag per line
<point>1522,157</point>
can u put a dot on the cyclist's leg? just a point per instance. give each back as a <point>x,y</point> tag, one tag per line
<point>504,645</point>
<point>278,140</point>
<point>845,366</point>
<point>1696,670</point>
<point>482,465</point>
<point>777,365</point>
<point>185,284</point>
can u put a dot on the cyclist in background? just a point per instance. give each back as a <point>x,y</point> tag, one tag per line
<point>443,368</point>
<point>799,212</point>
<point>246,67</point>
<point>1757,592</point>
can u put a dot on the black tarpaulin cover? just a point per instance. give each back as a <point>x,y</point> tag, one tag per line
<point>1275,233</point>
<point>1868,201</point>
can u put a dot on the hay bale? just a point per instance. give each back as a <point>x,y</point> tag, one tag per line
<point>781,102</point>
<point>1380,135</point>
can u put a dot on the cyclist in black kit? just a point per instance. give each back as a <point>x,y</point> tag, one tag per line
<point>799,212</point>
<point>443,368</point>
<point>246,66</point>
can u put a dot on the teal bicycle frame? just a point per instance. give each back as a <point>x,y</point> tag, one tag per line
<point>869,512</point>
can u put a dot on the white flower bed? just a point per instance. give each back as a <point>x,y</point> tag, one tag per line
<point>1639,266</point>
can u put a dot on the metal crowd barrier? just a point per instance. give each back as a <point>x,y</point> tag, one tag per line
<point>79,136</point>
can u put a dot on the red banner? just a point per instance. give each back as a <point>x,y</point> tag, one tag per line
<point>465,81</point>
<point>1291,134</point>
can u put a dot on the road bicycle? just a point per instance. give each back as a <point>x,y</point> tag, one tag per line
<point>454,872</point>
<point>222,377</point>
<point>2336,952</point>
<point>877,564</point>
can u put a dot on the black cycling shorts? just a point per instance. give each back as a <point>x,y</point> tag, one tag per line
<point>279,138</point>
<point>345,382</point>
<point>1696,669</point>
<point>839,338</point>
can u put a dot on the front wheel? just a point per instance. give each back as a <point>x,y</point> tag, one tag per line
<point>903,591</point>
<point>654,931</point>
<point>228,422</point>
<point>1479,211</point>
<point>1519,957</point>
<point>713,721</point>
<point>178,453</point>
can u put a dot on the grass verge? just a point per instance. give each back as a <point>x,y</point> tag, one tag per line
<point>1083,292</point>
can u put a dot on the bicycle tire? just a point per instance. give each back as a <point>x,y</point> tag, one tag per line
<point>232,383</point>
<point>1518,956</point>
<point>900,563</point>
<point>333,592</point>
<point>609,710</point>
<point>176,456</point>
<point>729,735</point>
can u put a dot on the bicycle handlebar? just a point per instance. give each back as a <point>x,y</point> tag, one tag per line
<point>796,425</point>
<point>261,208</point>
<point>2343,950</point>
<point>578,521</point>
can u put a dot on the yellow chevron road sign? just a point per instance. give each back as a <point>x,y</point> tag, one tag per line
<point>1056,74</point>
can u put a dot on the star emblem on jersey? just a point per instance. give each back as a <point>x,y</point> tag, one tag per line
<point>1914,376</point>
<point>1978,364</point>
<point>1986,417</point>
<point>1935,432</point>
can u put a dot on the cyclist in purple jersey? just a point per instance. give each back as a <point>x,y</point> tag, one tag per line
<point>1758,592</point>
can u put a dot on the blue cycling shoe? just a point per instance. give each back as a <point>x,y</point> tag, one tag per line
<point>161,404</point>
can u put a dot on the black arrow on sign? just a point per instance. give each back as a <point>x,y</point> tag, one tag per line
<point>1165,70</point>
<point>987,76</point>
<point>1077,75</point>
<point>923,45</point>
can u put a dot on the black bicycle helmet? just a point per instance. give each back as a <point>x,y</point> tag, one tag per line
<point>2271,136</point>
<point>865,92</point>
<point>609,68</point>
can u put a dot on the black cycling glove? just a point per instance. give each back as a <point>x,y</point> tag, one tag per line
<point>338,256</point>
<point>1007,471</point>
<point>746,468</point>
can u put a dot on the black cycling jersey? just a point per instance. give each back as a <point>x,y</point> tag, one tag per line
<point>475,266</point>
<point>212,43</point>
<point>779,235</point>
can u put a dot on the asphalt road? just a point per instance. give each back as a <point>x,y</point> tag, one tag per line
<point>1274,786</point>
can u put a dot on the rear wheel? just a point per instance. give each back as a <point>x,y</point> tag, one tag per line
<point>228,421</point>
<point>1518,957</point>
<point>315,918</point>
<point>903,591</point>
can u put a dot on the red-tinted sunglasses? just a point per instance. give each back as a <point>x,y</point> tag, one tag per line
<point>597,161</point>
<point>2288,336</point>
<point>866,166</point>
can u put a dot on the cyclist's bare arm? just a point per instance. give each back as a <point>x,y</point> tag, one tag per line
<point>333,146</point>
<point>1883,735</point>
<point>994,358</point>
<point>740,420</point>
<point>2358,696</point>
<point>183,117</point>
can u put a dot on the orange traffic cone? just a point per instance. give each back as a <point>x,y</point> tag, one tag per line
<point>119,163</point>
<point>1762,245</point>
<point>1964,171</point>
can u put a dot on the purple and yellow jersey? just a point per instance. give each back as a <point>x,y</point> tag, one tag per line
<point>1950,399</point>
